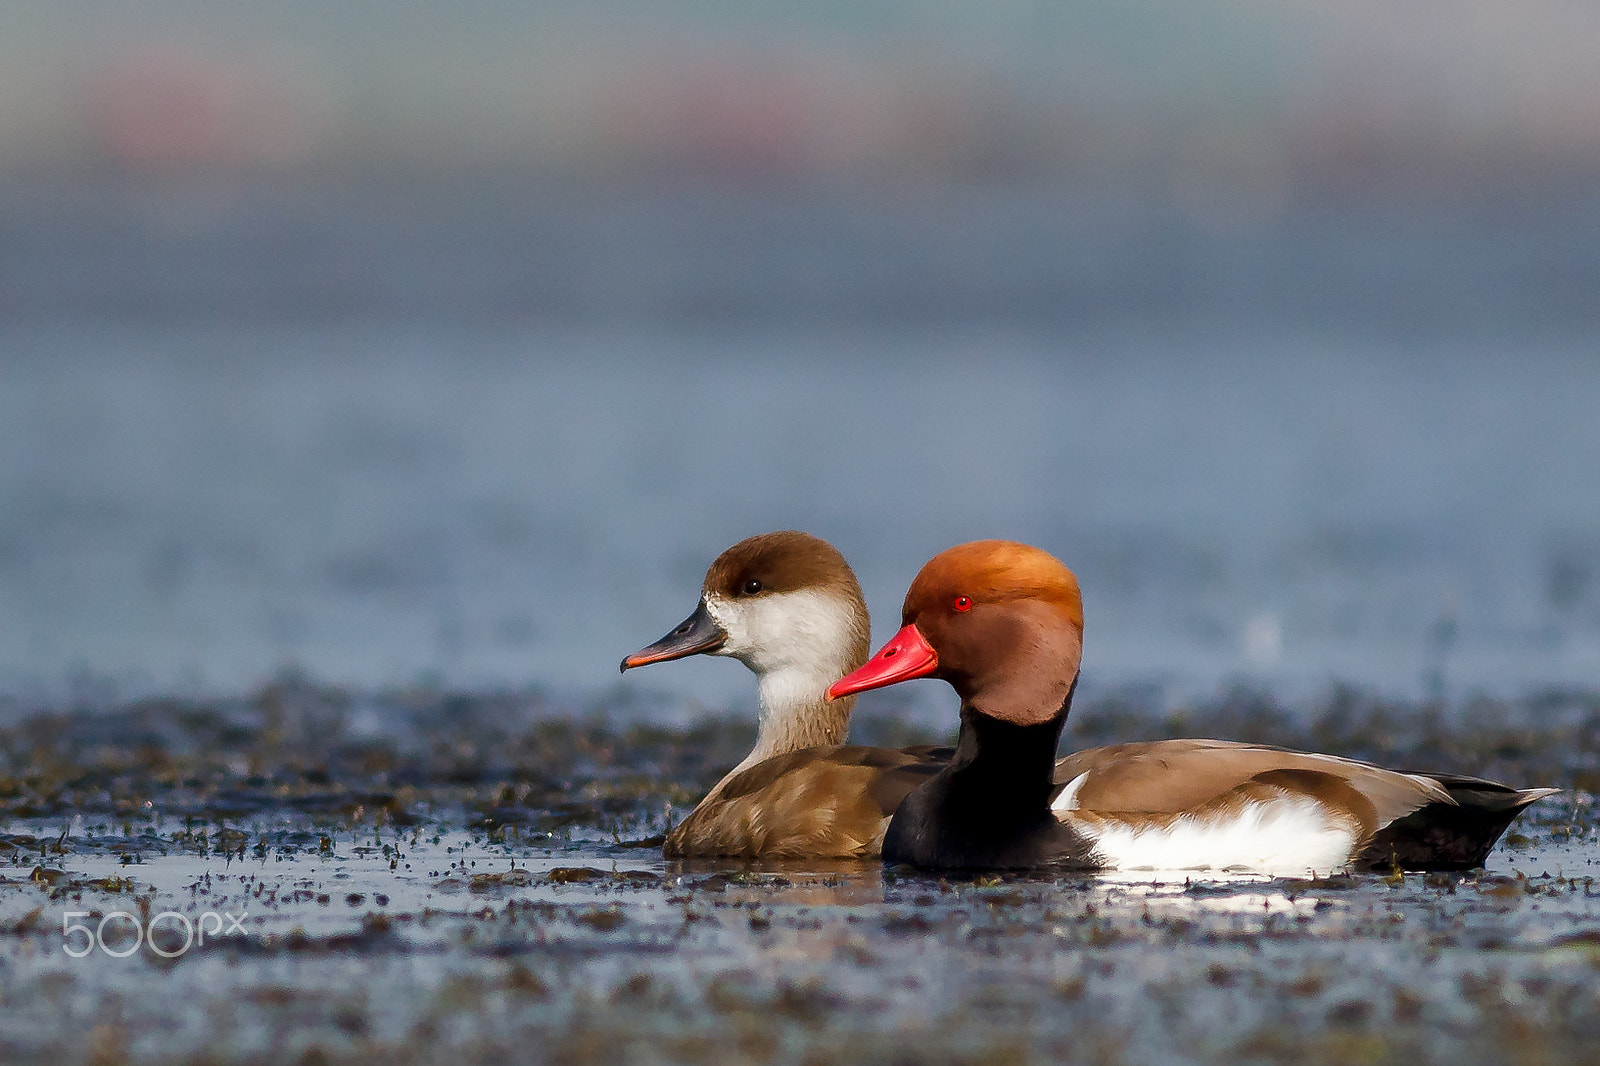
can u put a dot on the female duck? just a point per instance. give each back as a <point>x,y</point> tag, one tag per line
<point>788,606</point>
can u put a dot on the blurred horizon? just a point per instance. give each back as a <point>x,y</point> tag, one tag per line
<point>1230,110</point>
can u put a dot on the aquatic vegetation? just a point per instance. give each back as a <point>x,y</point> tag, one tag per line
<point>425,877</point>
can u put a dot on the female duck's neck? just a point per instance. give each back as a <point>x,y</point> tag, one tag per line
<point>795,712</point>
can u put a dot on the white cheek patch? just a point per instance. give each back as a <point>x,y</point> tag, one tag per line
<point>718,609</point>
<point>804,630</point>
<point>1291,835</point>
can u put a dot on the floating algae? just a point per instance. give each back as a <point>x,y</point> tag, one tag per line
<point>259,881</point>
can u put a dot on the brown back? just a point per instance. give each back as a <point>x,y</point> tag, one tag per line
<point>813,803</point>
<point>1175,776</point>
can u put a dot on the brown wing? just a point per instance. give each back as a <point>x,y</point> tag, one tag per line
<point>1177,776</point>
<point>812,803</point>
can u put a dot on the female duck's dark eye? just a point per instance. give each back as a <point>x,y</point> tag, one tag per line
<point>751,587</point>
<point>962,603</point>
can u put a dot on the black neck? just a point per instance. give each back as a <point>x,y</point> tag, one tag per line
<point>1004,769</point>
<point>990,807</point>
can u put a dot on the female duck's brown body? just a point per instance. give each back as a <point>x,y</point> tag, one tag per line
<point>1002,623</point>
<point>813,803</point>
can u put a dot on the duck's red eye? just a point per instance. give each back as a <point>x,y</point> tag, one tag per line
<point>962,603</point>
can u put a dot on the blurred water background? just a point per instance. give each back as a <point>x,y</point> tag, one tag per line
<point>448,345</point>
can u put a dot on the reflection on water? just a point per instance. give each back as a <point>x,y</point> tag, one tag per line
<point>359,934</point>
<point>1173,894</point>
<point>470,869</point>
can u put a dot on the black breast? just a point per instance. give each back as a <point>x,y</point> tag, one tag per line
<point>989,809</point>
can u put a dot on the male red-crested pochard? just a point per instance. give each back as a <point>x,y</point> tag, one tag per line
<point>789,607</point>
<point>1002,622</point>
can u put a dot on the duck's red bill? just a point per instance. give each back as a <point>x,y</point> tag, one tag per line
<point>907,655</point>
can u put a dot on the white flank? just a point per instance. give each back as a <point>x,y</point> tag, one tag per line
<point>1068,800</point>
<point>1290,835</point>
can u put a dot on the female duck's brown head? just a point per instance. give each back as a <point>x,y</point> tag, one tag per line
<point>776,601</point>
<point>1002,622</point>
<point>788,606</point>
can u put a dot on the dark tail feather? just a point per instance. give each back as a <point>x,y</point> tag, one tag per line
<point>1450,836</point>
